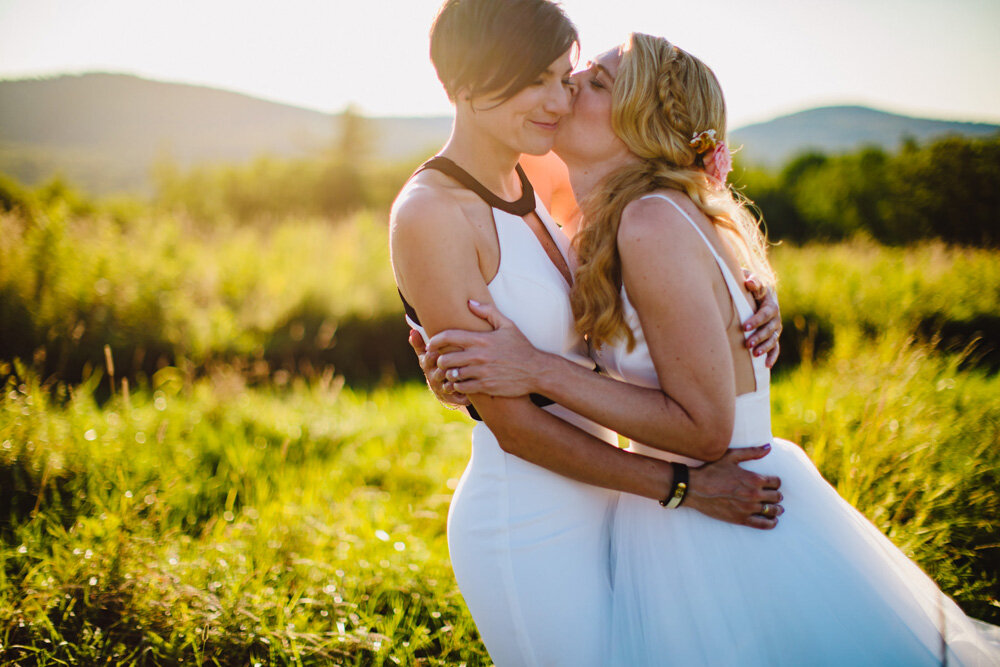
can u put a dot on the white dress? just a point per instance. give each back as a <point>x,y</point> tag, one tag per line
<point>823,588</point>
<point>530,548</point>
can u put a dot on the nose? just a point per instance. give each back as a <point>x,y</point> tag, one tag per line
<point>560,101</point>
<point>574,86</point>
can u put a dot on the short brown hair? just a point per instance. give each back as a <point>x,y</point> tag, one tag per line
<point>497,46</point>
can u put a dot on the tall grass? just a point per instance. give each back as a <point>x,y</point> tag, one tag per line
<point>302,294</point>
<point>229,525</point>
<point>219,495</point>
<point>225,524</point>
<point>161,290</point>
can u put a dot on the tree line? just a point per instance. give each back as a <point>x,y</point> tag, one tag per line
<point>948,189</point>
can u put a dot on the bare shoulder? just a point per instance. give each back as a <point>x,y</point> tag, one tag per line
<point>427,204</point>
<point>653,225</point>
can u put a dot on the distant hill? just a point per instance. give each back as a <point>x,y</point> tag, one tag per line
<point>841,129</point>
<point>105,131</point>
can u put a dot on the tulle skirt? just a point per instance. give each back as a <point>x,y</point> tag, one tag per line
<point>823,588</point>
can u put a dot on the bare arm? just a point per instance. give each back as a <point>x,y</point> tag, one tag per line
<point>688,413</point>
<point>435,260</point>
<point>436,264</point>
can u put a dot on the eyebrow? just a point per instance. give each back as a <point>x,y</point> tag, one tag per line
<point>600,68</point>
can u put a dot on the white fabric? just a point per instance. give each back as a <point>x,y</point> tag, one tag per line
<point>823,588</point>
<point>530,548</point>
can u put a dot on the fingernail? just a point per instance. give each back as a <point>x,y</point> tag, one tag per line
<point>748,327</point>
<point>474,302</point>
<point>767,447</point>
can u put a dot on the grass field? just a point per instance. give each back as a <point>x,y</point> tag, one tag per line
<point>216,524</point>
<point>204,514</point>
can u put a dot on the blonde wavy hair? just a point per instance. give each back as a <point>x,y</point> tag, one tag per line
<point>662,97</point>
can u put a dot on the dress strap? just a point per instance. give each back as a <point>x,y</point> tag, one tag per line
<point>736,294</point>
<point>743,309</point>
<point>520,208</point>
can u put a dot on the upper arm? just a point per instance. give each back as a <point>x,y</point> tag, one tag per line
<point>435,260</point>
<point>670,277</point>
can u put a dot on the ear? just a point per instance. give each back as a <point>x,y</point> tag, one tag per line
<point>464,101</point>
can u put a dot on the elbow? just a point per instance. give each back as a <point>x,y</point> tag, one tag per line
<point>508,438</point>
<point>713,450</point>
<point>715,440</point>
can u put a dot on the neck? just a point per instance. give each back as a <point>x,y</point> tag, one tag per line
<point>489,161</point>
<point>585,175</point>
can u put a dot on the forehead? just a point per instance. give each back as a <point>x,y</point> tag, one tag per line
<point>609,60</point>
<point>563,62</point>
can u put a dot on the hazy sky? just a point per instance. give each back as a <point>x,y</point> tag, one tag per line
<point>939,58</point>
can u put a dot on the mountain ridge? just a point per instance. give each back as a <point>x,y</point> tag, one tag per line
<point>106,130</point>
<point>842,128</point>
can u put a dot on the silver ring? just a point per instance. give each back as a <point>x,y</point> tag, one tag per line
<point>453,374</point>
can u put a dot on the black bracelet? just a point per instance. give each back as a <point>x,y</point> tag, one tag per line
<point>678,488</point>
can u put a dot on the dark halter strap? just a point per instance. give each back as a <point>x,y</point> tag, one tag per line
<point>520,208</point>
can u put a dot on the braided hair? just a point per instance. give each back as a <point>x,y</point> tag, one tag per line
<point>662,97</point>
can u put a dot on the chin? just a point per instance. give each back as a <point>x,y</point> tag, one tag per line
<point>536,146</point>
<point>563,146</point>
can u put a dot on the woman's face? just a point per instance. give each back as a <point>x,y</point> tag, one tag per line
<point>528,121</point>
<point>586,134</point>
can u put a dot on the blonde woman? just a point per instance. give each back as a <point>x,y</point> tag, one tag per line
<point>645,149</point>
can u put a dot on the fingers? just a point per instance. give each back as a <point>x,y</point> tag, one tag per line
<point>761,522</point>
<point>740,454</point>
<point>770,510</point>
<point>770,482</point>
<point>767,311</point>
<point>428,362</point>
<point>457,394</point>
<point>488,312</point>
<point>765,338</point>
<point>770,496</point>
<point>755,287</point>
<point>464,387</point>
<point>455,360</point>
<point>452,338</point>
<point>772,355</point>
<point>436,378</point>
<point>417,342</point>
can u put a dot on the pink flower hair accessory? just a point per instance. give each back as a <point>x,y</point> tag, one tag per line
<point>714,155</point>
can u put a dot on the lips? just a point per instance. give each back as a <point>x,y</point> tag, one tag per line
<point>550,127</point>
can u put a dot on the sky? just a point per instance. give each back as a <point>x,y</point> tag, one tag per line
<point>933,58</point>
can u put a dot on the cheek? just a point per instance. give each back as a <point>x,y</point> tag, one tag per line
<point>597,117</point>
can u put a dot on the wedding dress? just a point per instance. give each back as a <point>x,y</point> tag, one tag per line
<point>530,548</point>
<point>825,587</point>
